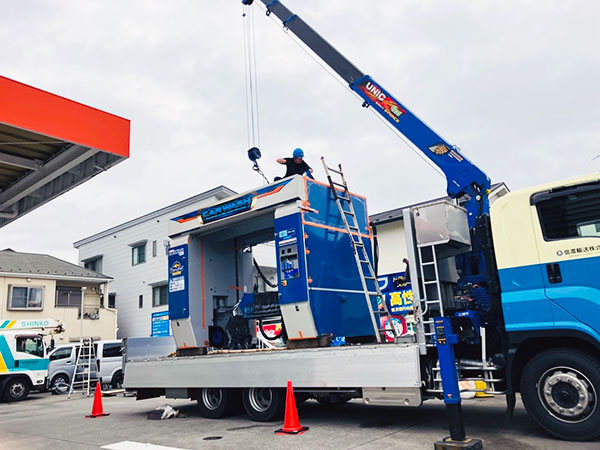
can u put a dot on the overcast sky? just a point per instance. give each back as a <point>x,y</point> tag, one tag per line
<point>513,83</point>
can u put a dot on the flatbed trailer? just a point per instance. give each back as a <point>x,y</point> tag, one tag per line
<point>211,266</point>
<point>380,374</point>
<point>384,374</point>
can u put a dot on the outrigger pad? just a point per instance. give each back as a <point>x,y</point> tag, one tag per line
<point>449,444</point>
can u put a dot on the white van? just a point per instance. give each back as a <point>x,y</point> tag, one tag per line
<point>109,364</point>
<point>109,356</point>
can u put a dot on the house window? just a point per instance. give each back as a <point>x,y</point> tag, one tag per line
<point>160,295</point>
<point>93,264</point>
<point>154,249</point>
<point>25,297</point>
<point>141,301</point>
<point>569,213</point>
<point>138,254</point>
<point>112,300</point>
<point>68,296</point>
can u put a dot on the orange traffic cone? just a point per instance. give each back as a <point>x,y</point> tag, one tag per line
<point>291,424</point>
<point>97,410</point>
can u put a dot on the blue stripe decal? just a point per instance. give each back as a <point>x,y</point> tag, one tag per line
<point>531,302</point>
<point>32,364</point>
<point>6,354</point>
<point>5,324</point>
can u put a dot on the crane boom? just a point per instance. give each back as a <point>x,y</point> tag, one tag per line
<point>462,176</point>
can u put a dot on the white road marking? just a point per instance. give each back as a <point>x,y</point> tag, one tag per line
<point>130,445</point>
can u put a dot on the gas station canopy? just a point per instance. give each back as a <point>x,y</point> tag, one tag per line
<point>50,144</point>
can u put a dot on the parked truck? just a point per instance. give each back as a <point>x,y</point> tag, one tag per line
<point>23,356</point>
<point>508,295</point>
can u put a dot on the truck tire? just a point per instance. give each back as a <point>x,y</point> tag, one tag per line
<point>215,403</point>
<point>264,404</point>
<point>560,389</point>
<point>16,390</point>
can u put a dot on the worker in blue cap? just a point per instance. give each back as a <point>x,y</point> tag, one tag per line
<point>296,165</point>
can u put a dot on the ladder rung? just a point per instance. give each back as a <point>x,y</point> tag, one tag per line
<point>334,170</point>
<point>374,293</point>
<point>370,278</point>
<point>433,301</point>
<point>341,197</point>
<point>430,282</point>
<point>428,263</point>
<point>339,184</point>
<point>364,261</point>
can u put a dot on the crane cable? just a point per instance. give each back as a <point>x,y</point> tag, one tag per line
<point>252,116</point>
<point>337,78</point>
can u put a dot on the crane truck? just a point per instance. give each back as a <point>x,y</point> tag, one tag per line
<point>507,294</point>
<point>23,356</point>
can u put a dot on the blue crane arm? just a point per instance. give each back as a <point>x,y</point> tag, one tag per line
<point>463,177</point>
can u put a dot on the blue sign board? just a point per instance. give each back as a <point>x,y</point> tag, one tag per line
<point>397,291</point>
<point>160,324</point>
<point>226,209</point>
<point>178,283</point>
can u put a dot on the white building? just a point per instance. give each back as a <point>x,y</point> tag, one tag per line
<point>134,255</point>
<point>39,287</point>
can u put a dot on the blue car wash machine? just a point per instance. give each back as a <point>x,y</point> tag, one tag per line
<point>319,290</point>
<point>326,295</point>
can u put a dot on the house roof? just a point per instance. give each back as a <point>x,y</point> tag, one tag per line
<point>220,192</point>
<point>44,266</point>
<point>395,214</point>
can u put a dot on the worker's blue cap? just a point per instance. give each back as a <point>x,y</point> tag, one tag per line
<point>298,153</point>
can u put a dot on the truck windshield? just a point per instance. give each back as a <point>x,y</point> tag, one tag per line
<point>33,345</point>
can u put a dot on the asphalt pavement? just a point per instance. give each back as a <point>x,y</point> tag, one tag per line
<point>46,421</point>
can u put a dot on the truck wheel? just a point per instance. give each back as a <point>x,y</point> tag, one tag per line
<point>215,403</point>
<point>264,404</point>
<point>60,384</point>
<point>16,390</point>
<point>560,388</point>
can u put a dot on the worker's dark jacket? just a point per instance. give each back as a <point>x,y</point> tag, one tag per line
<point>295,169</point>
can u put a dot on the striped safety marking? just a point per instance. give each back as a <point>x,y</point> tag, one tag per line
<point>7,324</point>
<point>3,367</point>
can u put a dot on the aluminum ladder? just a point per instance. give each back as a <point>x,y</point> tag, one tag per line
<point>365,269</point>
<point>431,303</point>
<point>85,373</point>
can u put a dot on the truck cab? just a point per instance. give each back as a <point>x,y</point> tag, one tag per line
<point>24,357</point>
<point>547,249</point>
<point>23,364</point>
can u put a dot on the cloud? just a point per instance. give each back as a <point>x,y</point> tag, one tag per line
<point>511,83</point>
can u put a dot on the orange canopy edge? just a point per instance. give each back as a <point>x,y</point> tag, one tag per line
<point>39,111</point>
